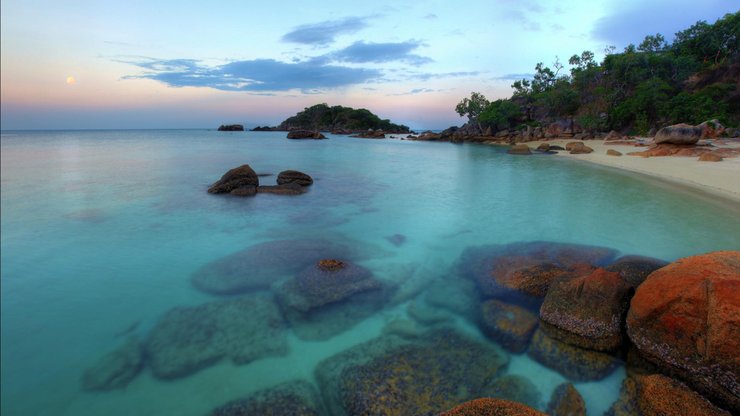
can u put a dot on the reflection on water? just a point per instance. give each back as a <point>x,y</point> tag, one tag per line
<point>409,277</point>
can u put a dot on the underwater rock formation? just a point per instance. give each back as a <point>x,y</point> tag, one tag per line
<point>587,311</point>
<point>491,407</point>
<point>566,401</point>
<point>392,376</point>
<point>635,269</point>
<point>263,264</point>
<point>187,339</point>
<point>509,325</point>
<point>528,268</point>
<point>294,398</point>
<point>685,318</point>
<point>115,369</point>
<point>575,363</point>
<point>330,297</point>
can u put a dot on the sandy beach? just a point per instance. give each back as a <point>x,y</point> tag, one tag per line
<point>717,178</point>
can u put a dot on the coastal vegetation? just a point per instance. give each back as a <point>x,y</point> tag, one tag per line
<point>647,86</point>
<point>322,117</point>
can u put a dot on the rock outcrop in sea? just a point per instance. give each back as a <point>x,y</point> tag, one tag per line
<point>305,134</point>
<point>231,127</point>
<point>240,178</point>
<point>243,181</point>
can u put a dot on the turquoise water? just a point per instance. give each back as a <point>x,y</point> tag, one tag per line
<point>102,230</point>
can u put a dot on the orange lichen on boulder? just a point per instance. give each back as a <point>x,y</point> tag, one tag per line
<point>685,318</point>
<point>330,265</point>
<point>492,407</point>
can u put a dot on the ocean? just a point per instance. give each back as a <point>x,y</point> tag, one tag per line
<point>104,235</point>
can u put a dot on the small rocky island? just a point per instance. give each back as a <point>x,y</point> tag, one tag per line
<point>231,127</point>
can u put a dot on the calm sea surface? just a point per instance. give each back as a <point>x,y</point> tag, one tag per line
<point>102,232</point>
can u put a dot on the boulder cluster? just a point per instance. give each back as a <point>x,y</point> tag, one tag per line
<point>244,181</point>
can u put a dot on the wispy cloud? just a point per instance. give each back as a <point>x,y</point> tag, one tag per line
<point>415,91</point>
<point>253,75</point>
<point>428,76</point>
<point>368,52</point>
<point>431,16</point>
<point>513,77</point>
<point>324,33</point>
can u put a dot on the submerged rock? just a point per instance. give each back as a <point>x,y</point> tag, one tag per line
<point>587,311</point>
<point>286,189</point>
<point>188,339</point>
<point>294,398</point>
<point>509,325</point>
<point>115,369</point>
<point>492,407</point>
<point>678,134</point>
<point>294,176</point>
<point>566,401</point>
<point>515,388</point>
<point>657,395</point>
<point>684,318</point>
<point>396,239</point>
<point>330,297</point>
<point>263,264</point>
<point>577,364</point>
<point>635,269</point>
<point>393,376</point>
<point>528,268</point>
<point>243,176</point>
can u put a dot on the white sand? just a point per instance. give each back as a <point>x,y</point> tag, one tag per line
<point>718,178</point>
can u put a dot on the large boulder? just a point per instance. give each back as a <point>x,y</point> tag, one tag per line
<point>685,318</point>
<point>263,264</point>
<point>711,129</point>
<point>566,401</point>
<point>577,364</point>
<point>509,325</point>
<point>612,136</point>
<point>243,176</point>
<point>188,339</point>
<point>657,395</point>
<point>115,369</point>
<point>587,311</point>
<point>391,376</point>
<point>305,134</point>
<point>492,407</point>
<point>683,134</point>
<point>294,176</point>
<point>294,398</point>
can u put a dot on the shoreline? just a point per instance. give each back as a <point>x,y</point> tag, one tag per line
<point>718,179</point>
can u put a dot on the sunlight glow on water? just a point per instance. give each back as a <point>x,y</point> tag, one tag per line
<point>101,232</point>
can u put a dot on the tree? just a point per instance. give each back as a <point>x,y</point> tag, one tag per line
<point>472,107</point>
<point>653,44</point>
<point>501,114</point>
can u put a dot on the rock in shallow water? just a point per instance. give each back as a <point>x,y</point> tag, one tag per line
<point>515,388</point>
<point>635,269</point>
<point>577,364</point>
<point>587,311</point>
<point>116,369</point>
<point>263,264</point>
<point>188,339</point>
<point>509,325</point>
<point>685,318</point>
<point>392,376</point>
<point>243,176</point>
<point>528,268</point>
<point>566,401</point>
<point>492,407</point>
<point>295,398</point>
<point>294,176</point>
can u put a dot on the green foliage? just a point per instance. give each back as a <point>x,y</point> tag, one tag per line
<point>323,117</point>
<point>653,84</point>
<point>500,115</point>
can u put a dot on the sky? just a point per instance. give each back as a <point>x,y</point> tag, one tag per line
<point>186,64</point>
